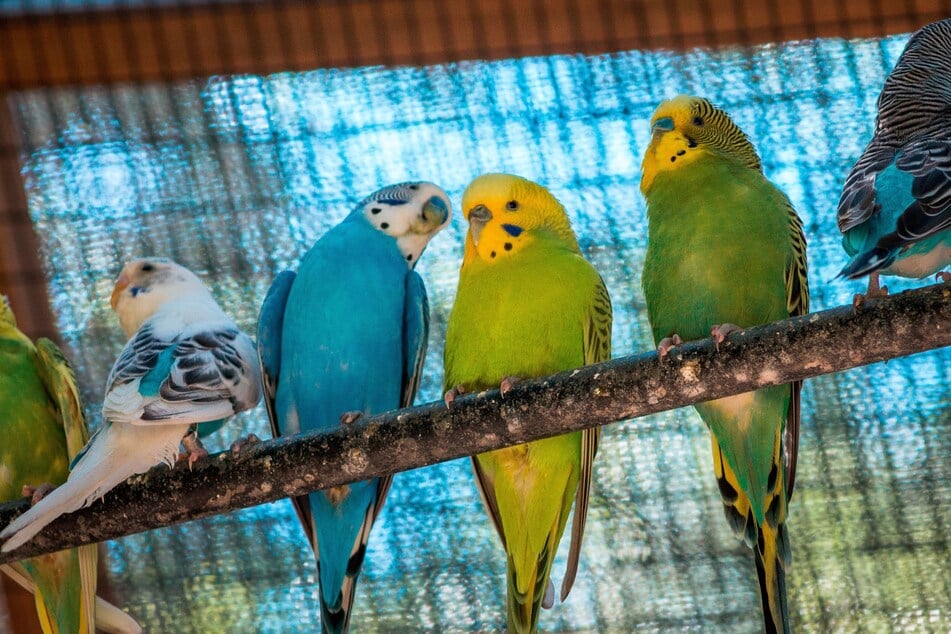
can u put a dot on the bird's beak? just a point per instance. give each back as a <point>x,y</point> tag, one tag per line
<point>435,212</point>
<point>478,216</point>
<point>121,284</point>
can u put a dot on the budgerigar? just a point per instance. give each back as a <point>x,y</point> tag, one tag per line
<point>345,337</point>
<point>725,251</point>
<point>895,208</point>
<point>42,427</point>
<point>186,362</point>
<point>528,305</point>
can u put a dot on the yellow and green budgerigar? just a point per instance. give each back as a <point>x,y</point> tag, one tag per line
<point>43,426</point>
<point>726,251</point>
<point>528,304</point>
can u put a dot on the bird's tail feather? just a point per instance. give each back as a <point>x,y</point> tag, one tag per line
<point>868,262</point>
<point>109,618</point>
<point>335,615</point>
<point>524,606</point>
<point>771,573</point>
<point>73,494</point>
<point>335,619</point>
<point>113,457</point>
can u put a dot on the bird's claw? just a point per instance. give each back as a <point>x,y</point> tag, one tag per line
<point>37,493</point>
<point>663,348</point>
<point>720,332</point>
<point>943,276</point>
<point>348,418</point>
<point>193,448</point>
<point>451,394</point>
<point>507,383</point>
<point>238,445</point>
<point>874,291</point>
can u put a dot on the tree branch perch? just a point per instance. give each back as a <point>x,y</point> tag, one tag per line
<point>628,387</point>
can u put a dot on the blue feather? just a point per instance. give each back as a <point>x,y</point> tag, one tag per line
<point>151,383</point>
<point>513,230</point>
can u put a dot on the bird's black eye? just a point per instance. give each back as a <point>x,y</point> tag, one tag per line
<point>146,268</point>
<point>414,186</point>
<point>698,121</point>
<point>511,205</point>
<point>375,210</point>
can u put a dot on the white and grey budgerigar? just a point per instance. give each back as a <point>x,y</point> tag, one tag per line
<point>895,208</point>
<point>186,362</point>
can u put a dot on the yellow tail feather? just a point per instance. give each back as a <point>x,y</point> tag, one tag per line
<point>769,541</point>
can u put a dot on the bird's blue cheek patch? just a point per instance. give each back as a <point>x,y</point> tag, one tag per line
<point>513,230</point>
<point>135,290</point>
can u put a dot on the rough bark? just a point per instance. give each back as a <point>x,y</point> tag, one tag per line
<point>623,388</point>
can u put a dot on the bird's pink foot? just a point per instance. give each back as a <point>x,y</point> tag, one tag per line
<point>451,395</point>
<point>193,448</point>
<point>874,291</point>
<point>37,493</point>
<point>720,332</point>
<point>943,276</point>
<point>350,417</point>
<point>239,445</point>
<point>663,348</point>
<point>507,384</point>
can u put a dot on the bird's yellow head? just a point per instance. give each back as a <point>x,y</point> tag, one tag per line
<point>685,128</point>
<point>507,214</point>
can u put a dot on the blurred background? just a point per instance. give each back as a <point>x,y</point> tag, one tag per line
<point>229,135</point>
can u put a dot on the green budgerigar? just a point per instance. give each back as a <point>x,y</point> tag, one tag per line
<point>528,304</point>
<point>726,251</point>
<point>42,427</point>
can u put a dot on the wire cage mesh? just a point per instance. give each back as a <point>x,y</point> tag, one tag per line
<point>230,135</point>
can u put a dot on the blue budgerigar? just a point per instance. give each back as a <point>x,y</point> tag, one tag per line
<point>895,208</point>
<point>345,337</point>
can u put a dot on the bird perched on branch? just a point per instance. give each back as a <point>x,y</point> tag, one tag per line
<point>186,362</point>
<point>42,428</point>
<point>528,305</point>
<point>343,338</point>
<point>726,251</point>
<point>895,208</point>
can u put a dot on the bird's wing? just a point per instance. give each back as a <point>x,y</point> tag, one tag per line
<point>190,379</point>
<point>270,333</point>
<point>60,382</point>
<point>797,303</point>
<point>929,162</point>
<point>270,329</point>
<point>859,199</point>
<point>597,347</point>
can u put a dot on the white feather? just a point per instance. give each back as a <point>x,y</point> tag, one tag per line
<point>118,452</point>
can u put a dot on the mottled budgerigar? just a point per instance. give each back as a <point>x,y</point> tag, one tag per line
<point>528,305</point>
<point>895,208</point>
<point>726,250</point>
<point>186,362</point>
<point>345,337</point>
